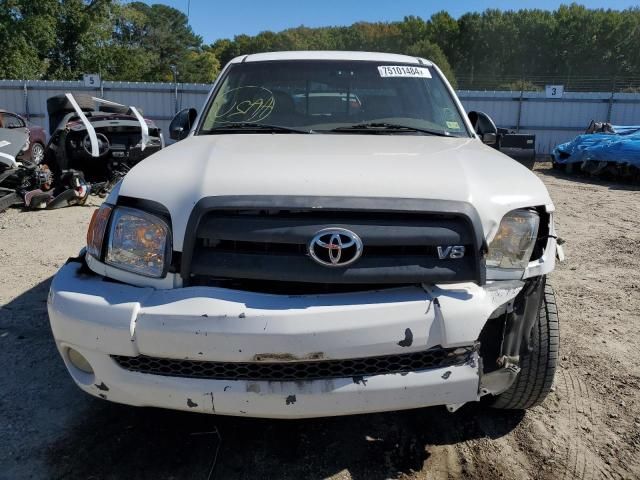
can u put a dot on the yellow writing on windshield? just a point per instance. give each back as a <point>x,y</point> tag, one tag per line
<point>246,104</point>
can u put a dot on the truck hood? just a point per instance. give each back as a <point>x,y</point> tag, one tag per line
<point>401,166</point>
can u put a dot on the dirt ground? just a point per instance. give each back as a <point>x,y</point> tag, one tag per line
<point>588,428</point>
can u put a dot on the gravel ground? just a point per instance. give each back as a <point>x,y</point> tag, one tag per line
<point>589,427</point>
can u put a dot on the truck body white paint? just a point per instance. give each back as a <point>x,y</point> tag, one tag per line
<point>141,316</point>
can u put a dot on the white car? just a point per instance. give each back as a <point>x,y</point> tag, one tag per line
<point>282,263</point>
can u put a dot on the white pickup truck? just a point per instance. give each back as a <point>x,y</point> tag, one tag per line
<point>330,235</point>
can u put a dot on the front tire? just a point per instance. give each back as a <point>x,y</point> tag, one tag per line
<point>537,366</point>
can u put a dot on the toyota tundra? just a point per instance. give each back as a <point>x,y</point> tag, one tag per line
<point>329,235</point>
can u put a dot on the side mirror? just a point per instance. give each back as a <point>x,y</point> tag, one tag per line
<point>489,138</point>
<point>182,123</point>
<point>484,127</point>
<point>482,123</point>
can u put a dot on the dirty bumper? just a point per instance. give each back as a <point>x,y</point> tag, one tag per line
<point>176,348</point>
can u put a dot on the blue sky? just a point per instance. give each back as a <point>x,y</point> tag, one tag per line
<point>224,19</point>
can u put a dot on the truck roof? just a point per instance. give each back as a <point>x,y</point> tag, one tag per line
<point>331,55</point>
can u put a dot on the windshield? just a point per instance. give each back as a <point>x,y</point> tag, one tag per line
<point>332,96</point>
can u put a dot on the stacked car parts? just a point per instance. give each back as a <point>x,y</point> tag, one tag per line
<point>33,185</point>
<point>93,144</point>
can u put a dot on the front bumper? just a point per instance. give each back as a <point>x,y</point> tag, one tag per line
<point>100,318</point>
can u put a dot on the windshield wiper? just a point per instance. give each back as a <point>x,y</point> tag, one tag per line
<point>387,127</point>
<point>248,126</point>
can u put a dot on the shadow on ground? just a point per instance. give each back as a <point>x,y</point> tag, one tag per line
<point>72,435</point>
<point>112,441</point>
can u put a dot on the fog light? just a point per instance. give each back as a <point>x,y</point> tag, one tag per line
<point>78,361</point>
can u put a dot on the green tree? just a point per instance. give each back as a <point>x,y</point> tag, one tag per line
<point>581,47</point>
<point>443,30</point>
<point>163,33</point>
<point>200,66</point>
<point>81,31</point>
<point>27,32</point>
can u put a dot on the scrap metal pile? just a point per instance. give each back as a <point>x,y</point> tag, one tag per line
<point>94,143</point>
<point>604,149</point>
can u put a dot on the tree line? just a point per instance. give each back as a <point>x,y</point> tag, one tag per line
<point>62,39</point>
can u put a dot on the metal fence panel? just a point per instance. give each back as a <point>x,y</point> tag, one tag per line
<point>626,109</point>
<point>552,120</point>
<point>502,106</point>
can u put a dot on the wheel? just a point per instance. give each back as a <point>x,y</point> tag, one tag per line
<point>37,153</point>
<point>537,366</point>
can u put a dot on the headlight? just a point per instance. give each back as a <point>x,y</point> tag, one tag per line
<point>513,244</point>
<point>138,242</point>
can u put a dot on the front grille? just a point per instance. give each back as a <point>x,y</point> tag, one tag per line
<point>245,247</point>
<point>272,248</point>
<point>290,288</point>
<point>300,370</point>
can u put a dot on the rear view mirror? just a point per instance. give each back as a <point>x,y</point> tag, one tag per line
<point>181,124</point>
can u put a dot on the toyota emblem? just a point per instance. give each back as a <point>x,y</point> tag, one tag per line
<point>335,247</point>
